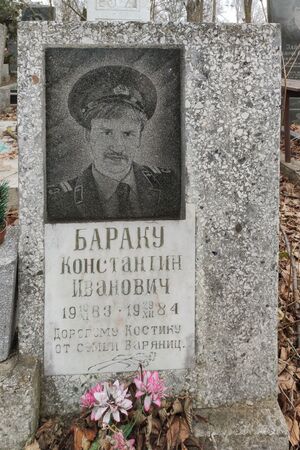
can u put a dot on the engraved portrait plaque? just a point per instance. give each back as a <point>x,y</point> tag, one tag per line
<point>113,142</point>
<point>118,295</point>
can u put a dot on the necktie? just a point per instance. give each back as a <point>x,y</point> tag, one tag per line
<point>123,191</point>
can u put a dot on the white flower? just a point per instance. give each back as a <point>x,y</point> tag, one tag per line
<point>112,401</point>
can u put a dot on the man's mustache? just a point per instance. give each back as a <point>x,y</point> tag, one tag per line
<point>112,154</point>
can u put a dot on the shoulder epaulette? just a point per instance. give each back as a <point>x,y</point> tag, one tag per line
<point>154,170</point>
<point>60,188</point>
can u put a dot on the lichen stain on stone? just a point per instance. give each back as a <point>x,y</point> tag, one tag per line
<point>35,79</point>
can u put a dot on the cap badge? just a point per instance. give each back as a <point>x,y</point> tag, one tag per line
<point>121,90</point>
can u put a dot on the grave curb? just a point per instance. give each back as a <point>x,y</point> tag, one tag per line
<point>8,283</point>
<point>19,401</point>
<point>257,426</point>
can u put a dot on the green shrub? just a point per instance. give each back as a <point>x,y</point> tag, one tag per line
<point>4,190</point>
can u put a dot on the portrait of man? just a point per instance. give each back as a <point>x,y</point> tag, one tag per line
<point>112,105</point>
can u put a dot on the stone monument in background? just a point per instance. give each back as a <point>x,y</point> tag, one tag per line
<point>287,13</point>
<point>121,10</point>
<point>3,32</point>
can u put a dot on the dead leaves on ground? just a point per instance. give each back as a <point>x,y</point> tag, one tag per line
<point>165,428</point>
<point>9,114</point>
<point>295,146</point>
<point>289,310</point>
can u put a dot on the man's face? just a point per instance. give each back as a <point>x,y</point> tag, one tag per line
<point>113,145</point>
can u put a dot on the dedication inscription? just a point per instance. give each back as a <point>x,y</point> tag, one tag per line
<point>118,295</point>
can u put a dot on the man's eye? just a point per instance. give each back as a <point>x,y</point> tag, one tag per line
<point>106,132</point>
<point>127,133</point>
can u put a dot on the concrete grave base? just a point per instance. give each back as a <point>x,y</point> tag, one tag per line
<point>260,426</point>
<point>19,401</point>
<point>8,276</point>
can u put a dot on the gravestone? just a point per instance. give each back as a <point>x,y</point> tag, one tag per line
<point>287,13</point>
<point>38,12</point>
<point>12,50</point>
<point>19,401</point>
<point>110,265</point>
<point>2,47</point>
<point>121,10</point>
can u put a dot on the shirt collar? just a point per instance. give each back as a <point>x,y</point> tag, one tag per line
<point>107,186</point>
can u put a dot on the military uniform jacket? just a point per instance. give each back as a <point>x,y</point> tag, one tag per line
<point>78,199</point>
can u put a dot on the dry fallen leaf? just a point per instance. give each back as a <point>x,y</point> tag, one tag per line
<point>293,428</point>
<point>33,446</point>
<point>178,432</point>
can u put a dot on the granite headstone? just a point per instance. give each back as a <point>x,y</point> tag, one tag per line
<point>230,122</point>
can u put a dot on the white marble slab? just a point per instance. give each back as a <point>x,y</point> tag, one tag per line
<point>121,10</point>
<point>119,294</point>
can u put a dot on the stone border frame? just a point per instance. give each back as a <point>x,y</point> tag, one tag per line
<point>232,123</point>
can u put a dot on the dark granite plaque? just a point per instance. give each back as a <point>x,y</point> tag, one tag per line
<point>113,142</point>
<point>287,13</point>
<point>38,12</point>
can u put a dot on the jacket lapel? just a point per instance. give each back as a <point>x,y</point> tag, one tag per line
<point>148,188</point>
<point>86,196</point>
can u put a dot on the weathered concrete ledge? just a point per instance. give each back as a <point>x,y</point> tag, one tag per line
<point>19,401</point>
<point>8,277</point>
<point>259,426</point>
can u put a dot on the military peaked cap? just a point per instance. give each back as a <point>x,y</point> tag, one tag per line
<point>109,84</point>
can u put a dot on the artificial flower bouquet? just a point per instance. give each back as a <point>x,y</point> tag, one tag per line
<point>139,416</point>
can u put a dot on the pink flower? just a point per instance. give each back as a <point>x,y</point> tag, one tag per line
<point>113,400</point>
<point>150,386</point>
<point>119,442</point>
<point>88,400</point>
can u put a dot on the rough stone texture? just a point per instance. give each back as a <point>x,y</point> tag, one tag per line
<point>19,401</point>
<point>231,117</point>
<point>8,276</point>
<point>2,47</point>
<point>253,427</point>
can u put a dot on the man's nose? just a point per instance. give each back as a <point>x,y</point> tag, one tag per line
<point>117,143</point>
